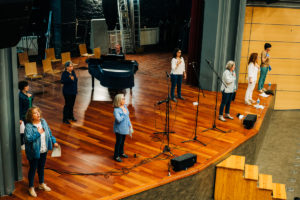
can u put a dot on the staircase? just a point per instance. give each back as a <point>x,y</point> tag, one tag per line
<point>237,181</point>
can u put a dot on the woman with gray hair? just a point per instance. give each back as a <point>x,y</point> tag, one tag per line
<point>227,90</point>
<point>69,80</point>
<point>122,126</point>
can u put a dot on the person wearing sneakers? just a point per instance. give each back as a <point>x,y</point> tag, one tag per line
<point>228,78</point>
<point>177,73</point>
<point>69,80</point>
<point>122,126</point>
<point>253,68</point>
<point>38,140</point>
<point>264,67</point>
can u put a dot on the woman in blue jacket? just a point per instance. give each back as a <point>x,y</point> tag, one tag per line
<point>38,140</point>
<point>69,80</point>
<point>122,126</point>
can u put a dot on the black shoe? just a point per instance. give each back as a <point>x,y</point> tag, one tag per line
<point>173,99</point>
<point>124,155</point>
<point>74,119</point>
<point>65,121</point>
<point>181,98</point>
<point>118,159</point>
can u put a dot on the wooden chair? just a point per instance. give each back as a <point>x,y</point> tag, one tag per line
<point>32,74</point>
<point>23,58</point>
<point>97,52</point>
<point>83,51</point>
<point>47,67</point>
<point>31,71</point>
<point>51,55</point>
<point>66,56</point>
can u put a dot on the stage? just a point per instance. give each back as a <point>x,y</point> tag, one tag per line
<point>88,144</point>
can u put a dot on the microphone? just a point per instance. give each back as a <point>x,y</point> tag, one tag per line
<point>168,75</point>
<point>208,61</point>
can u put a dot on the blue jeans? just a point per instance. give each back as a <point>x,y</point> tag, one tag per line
<point>176,80</point>
<point>38,164</point>
<point>262,78</point>
<point>119,146</point>
<point>226,100</point>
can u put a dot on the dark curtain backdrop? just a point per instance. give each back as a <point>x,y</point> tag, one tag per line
<point>195,41</point>
<point>10,150</point>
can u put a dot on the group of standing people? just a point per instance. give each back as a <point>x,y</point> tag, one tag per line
<point>36,136</point>
<point>228,87</point>
<point>253,68</point>
<point>39,140</point>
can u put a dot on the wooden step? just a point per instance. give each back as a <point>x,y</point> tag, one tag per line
<point>233,162</point>
<point>265,187</point>
<point>251,172</point>
<point>265,182</point>
<point>279,192</point>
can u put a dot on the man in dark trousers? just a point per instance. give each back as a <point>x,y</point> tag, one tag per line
<point>69,80</point>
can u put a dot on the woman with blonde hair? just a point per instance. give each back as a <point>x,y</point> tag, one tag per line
<point>253,68</point>
<point>228,78</point>
<point>38,140</point>
<point>122,126</point>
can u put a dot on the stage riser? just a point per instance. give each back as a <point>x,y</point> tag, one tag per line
<point>201,186</point>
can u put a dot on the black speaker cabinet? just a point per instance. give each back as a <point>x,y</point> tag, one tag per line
<point>183,162</point>
<point>249,121</point>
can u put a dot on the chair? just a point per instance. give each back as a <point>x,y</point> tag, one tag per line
<point>31,71</point>
<point>83,51</point>
<point>51,55</point>
<point>97,52</point>
<point>23,58</point>
<point>66,56</point>
<point>47,67</point>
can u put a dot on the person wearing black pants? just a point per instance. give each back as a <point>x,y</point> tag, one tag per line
<point>69,81</point>
<point>122,126</point>
<point>25,102</point>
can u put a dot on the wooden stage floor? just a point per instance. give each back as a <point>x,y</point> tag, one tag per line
<point>88,144</point>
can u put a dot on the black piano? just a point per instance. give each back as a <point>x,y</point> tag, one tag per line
<point>113,71</point>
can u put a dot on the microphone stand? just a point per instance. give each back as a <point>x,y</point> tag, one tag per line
<point>196,120</point>
<point>214,126</point>
<point>167,123</point>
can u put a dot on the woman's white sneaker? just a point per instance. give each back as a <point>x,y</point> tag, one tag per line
<point>43,186</point>
<point>32,192</point>
<point>228,116</point>
<point>222,118</point>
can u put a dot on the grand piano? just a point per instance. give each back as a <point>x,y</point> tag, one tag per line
<point>113,71</point>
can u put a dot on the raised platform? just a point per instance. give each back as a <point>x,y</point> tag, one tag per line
<point>88,144</point>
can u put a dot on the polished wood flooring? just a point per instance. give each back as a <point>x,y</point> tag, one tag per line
<point>88,144</point>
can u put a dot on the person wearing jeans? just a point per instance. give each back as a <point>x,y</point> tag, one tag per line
<point>253,68</point>
<point>122,126</point>
<point>229,79</point>
<point>177,74</point>
<point>38,140</point>
<point>264,67</point>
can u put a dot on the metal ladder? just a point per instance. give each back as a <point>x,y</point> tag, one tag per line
<point>125,28</point>
<point>135,21</point>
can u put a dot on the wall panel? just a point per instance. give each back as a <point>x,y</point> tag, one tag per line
<point>281,28</point>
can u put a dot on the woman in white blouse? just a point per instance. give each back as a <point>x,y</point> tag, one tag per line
<point>177,73</point>
<point>253,68</point>
<point>227,90</point>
